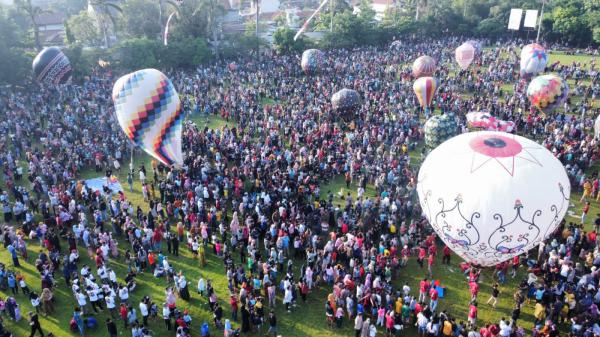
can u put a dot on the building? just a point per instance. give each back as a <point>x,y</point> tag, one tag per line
<point>52,28</point>
<point>379,6</point>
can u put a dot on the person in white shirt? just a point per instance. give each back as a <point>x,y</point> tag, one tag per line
<point>144,311</point>
<point>112,276</point>
<point>110,304</point>
<point>94,300</point>
<point>123,294</point>
<point>287,298</point>
<point>166,312</point>
<point>422,324</point>
<point>81,301</point>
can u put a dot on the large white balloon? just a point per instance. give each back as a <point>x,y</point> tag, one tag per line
<point>492,195</point>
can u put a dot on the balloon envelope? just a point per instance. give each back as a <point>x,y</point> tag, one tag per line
<point>533,60</point>
<point>465,54</point>
<point>438,129</point>
<point>345,102</point>
<point>51,67</point>
<point>546,92</point>
<point>424,88</point>
<point>148,109</point>
<point>483,120</point>
<point>312,61</point>
<point>491,195</point>
<point>423,66</point>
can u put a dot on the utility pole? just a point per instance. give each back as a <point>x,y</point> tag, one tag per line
<point>540,22</point>
<point>331,13</point>
<point>257,39</point>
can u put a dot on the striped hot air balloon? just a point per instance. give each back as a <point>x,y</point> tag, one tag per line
<point>52,67</point>
<point>424,88</point>
<point>424,66</point>
<point>148,109</point>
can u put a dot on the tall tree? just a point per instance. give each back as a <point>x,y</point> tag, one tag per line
<point>33,13</point>
<point>141,19</point>
<point>105,13</point>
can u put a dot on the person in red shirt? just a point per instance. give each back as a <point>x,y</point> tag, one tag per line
<point>447,253</point>
<point>474,289</point>
<point>586,209</point>
<point>473,314</point>
<point>430,264</point>
<point>405,254</point>
<point>421,257</point>
<point>432,249</point>
<point>234,307</point>
<point>433,299</point>
<point>516,261</point>
<point>123,313</point>
<point>423,289</point>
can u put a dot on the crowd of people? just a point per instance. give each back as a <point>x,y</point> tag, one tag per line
<point>251,195</point>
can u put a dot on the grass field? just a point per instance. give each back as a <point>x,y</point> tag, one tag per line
<point>305,320</point>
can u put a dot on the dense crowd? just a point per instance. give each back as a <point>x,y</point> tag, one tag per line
<point>251,195</point>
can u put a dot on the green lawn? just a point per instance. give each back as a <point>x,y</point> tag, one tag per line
<point>305,320</point>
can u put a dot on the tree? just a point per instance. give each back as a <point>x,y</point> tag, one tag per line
<point>366,13</point>
<point>184,53</point>
<point>570,22</point>
<point>81,31</point>
<point>15,65</point>
<point>69,7</point>
<point>32,12</point>
<point>141,19</point>
<point>137,53</point>
<point>284,41</point>
<point>105,12</point>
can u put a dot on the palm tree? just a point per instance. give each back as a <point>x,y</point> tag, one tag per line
<point>104,12</point>
<point>32,12</point>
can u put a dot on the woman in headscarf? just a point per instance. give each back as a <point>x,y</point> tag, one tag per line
<point>228,331</point>
<point>184,293</point>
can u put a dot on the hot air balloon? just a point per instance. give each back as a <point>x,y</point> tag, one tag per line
<point>491,195</point>
<point>345,102</point>
<point>424,88</point>
<point>546,92</point>
<point>312,61</point>
<point>465,54</point>
<point>438,129</point>
<point>483,120</point>
<point>148,109</point>
<point>423,66</point>
<point>51,67</point>
<point>533,60</point>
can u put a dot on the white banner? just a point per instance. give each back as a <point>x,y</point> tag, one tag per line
<point>514,22</point>
<point>531,16</point>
